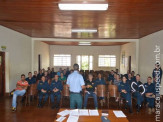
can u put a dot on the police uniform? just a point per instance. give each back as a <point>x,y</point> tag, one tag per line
<point>150,88</point>
<point>56,85</point>
<point>31,80</point>
<point>45,86</point>
<point>100,82</point>
<point>126,96</point>
<point>90,93</point>
<point>138,91</point>
<point>111,78</point>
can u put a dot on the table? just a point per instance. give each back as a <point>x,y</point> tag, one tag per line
<point>111,117</point>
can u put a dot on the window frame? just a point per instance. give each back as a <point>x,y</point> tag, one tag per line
<point>108,57</point>
<point>69,55</point>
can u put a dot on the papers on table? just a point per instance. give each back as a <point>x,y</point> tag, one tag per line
<point>64,113</point>
<point>60,119</point>
<point>119,114</point>
<point>93,113</point>
<point>83,112</point>
<point>73,119</point>
<point>74,112</point>
<point>104,114</point>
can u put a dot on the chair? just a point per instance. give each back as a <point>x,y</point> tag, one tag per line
<point>101,92</point>
<point>65,93</point>
<point>32,92</point>
<point>112,92</point>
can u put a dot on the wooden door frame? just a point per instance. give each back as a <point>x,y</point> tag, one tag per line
<point>3,72</point>
<point>129,64</point>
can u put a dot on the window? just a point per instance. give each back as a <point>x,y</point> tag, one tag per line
<point>85,62</point>
<point>107,61</point>
<point>62,60</point>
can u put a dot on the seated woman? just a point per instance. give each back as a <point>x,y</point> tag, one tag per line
<point>90,91</point>
<point>125,91</point>
<point>100,81</point>
<point>62,78</point>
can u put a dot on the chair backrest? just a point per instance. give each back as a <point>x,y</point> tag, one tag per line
<point>32,89</point>
<point>113,91</point>
<point>65,91</point>
<point>101,90</point>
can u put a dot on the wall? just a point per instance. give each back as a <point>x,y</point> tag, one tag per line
<point>128,49</point>
<point>147,55</point>
<point>18,55</point>
<point>85,50</point>
<point>41,48</point>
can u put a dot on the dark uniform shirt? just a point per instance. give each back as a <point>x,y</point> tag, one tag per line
<point>111,78</point>
<point>31,81</point>
<point>100,81</point>
<point>39,76</point>
<point>57,85</point>
<point>124,86</point>
<point>92,84</point>
<point>43,85</point>
<point>137,86</point>
<point>149,88</point>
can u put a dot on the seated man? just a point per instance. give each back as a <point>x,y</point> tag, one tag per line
<point>129,80</point>
<point>90,91</point>
<point>150,94</point>
<point>43,89</point>
<point>117,80</point>
<point>124,89</point>
<point>20,90</point>
<point>100,81</point>
<point>30,79</point>
<point>138,91</point>
<point>111,76</point>
<point>36,76</point>
<point>55,88</point>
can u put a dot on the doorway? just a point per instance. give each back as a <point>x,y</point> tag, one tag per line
<point>2,73</point>
<point>129,64</point>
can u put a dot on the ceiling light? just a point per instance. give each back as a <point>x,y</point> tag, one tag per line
<point>84,6</point>
<point>84,43</point>
<point>84,30</point>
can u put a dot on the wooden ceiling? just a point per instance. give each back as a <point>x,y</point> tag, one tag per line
<point>68,43</point>
<point>125,19</point>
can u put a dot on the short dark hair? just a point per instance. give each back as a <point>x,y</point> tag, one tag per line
<point>138,75</point>
<point>150,77</point>
<point>29,73</point>
<point>76,66</point>
<point>124,76</point>
<point>23,75</point>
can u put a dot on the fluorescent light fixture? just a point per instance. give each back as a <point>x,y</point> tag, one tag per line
<point>84,30</point>
<point>84,43</point>
<point>84,6</point>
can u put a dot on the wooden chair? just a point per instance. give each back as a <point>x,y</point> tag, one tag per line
<point>101,92</point>
<point>65,93</point>
<point>112,92</point>
<point>32,92</point>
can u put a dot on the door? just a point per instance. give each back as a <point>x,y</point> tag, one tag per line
<point>39,62</point>
<point>2,73</point>
<point>129,64</point>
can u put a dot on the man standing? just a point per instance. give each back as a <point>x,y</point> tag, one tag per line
<point>56,89</point>
<point>76,83</point>
<point>20,90</point>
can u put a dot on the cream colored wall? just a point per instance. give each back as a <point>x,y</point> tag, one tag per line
<point>18,56</point>
<point>41,48</point>
<point>130,50</point>
<point>147,55</point>
<point>85,50</point>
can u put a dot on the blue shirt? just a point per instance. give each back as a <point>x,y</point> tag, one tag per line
<point>149,88</point>
<point>58,73</point>
<point>75,81</point>
<point>31,81</point>
<point>111,77</point>
<point>124,86</point>
<point>57,85</point>
<point>43,85</point>
<point>100,81</point>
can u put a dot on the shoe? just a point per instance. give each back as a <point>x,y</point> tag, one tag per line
<point>39,106</point>
<point>149,110</point>
<point>138,109</point>
<point>130,109</point>
<point>13,109</point>
<point>153,110</point>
